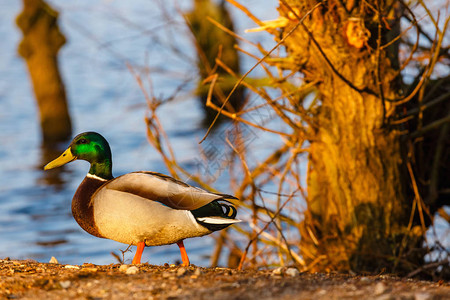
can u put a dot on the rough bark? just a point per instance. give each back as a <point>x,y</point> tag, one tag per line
<point>39,47</point>
<point>357,214</point>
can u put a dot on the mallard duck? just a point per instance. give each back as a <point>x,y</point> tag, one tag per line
<point>140,208</point>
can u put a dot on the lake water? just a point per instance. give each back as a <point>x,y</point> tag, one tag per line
<point>102,38</point>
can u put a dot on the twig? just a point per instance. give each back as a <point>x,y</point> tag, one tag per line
<point>249,174</point>
<point>417,197</point>
<point>428,266</point>
<point>296,257</point>
<point>252,68</point>
<point>230,32</point>
<point>431,16</point>
<point>277,108</point>
<point>419,28</point>
<point>116,256</point>
<point>233,116</point>
<point>245,10</point>
<point>425,129</point>
<point>400,36</point>
<point>378,67</point>
<point>408,229</point>
<point>219,245</point>
<point>124,251</point>
<point>429,104</point>
<point>253,239</point>
<point>416,44</point>
<point>434,174</point>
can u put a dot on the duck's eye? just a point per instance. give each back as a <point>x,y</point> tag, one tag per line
<point>82,141</point>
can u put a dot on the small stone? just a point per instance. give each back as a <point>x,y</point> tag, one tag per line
<point>72,267</point>
<point>380,288</point>
<point>90,270</point>
<point>226,272</point>
<point>322,292</point>
<point>53,260</point>
<point>198,272</point>
<point>181,271</point>
<point>292,272</point>
<point>364,280</point>
<point>132,270</point>
<point>234,285</point>
<point>388,297</point>
<point>278,271</point>
<point>422,296</point>
<point>166,274</point>
<point>123,268</point>
<point>86,265</point>
<point>65,284</point>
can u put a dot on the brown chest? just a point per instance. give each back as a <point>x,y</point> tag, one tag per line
<point>82,208</point>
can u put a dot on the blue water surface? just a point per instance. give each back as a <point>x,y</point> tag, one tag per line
<point>105,39</point>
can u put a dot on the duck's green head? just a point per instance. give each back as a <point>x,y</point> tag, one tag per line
<point>89,146</point>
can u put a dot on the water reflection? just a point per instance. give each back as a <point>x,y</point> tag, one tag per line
<point>51,243</point>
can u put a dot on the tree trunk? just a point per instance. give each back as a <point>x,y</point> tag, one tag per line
<point>357,214</point>
<point>39,47</point>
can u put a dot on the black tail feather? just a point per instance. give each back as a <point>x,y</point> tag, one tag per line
<point>216,208</point>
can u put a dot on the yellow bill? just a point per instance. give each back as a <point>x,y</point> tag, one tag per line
<point>63,159</point>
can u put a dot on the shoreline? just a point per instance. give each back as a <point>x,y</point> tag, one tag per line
<point>25,279</point>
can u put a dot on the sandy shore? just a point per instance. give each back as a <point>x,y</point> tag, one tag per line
<point>33,280</point>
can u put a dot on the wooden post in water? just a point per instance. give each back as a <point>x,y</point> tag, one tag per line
<point>214,43</point>
<point>39,47</point>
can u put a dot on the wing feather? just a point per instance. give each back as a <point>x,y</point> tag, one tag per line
<point>164,189</point>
